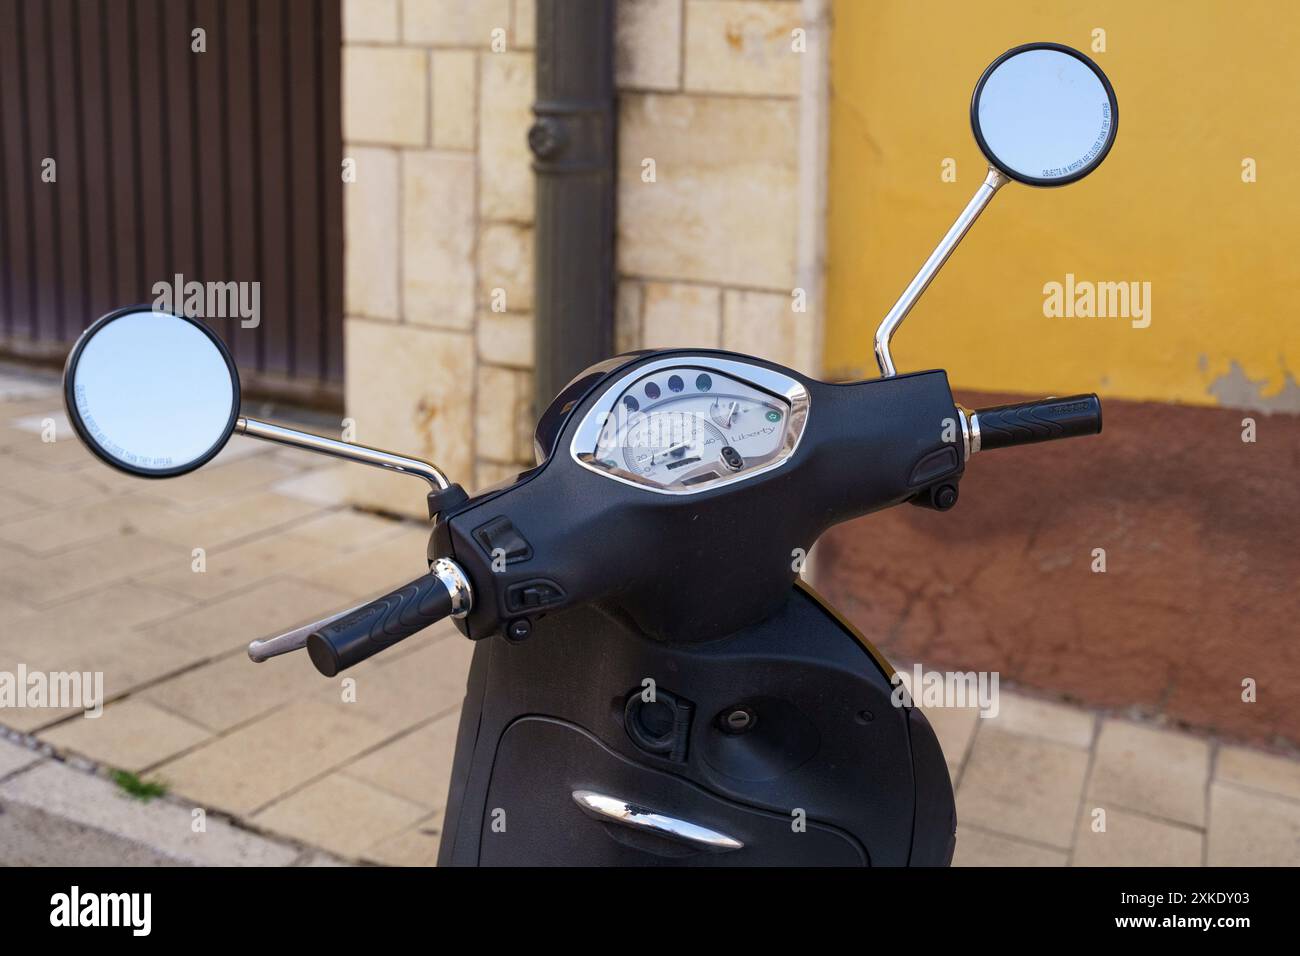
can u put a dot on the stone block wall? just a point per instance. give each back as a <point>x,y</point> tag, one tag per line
<point>438,212</point>
<point>718,230</point>
<point>712,97</point>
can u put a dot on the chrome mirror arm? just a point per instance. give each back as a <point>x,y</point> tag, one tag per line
<point>890,323</point>
<point>341,449</point>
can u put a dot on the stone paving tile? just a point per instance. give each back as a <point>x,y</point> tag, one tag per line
<point>65,453</point>
<point>1022,786</point>
<point>1156,772</point>
<point>1028,716</point>
<point>233,690</point>
<point>86,619</point>
<point>340,814</point>
<point>416,767</point>
<point>375,569</point>
<point>255,514</point>
<point>14,505</point>
<point>321,859</point>
<point>322,486</point>
<point>1131,839</point>
<point>10,612</point>
<point>976,847</point>
<point>200,489</point>
<point>401,692</point>
<point>264,610</point>
<point>347,529</point>
<point>57,529</point>
<point>130,735</point>
<point>416,846</point>
<point>11,557</point>
<point>127,661</point>
<point>955,727</point>
<point>235,568</point>
<point>53,488</point>
<point>261,762</point>
<point>1258,771</point>
<point>51,578</point>
<point>1252,829</point>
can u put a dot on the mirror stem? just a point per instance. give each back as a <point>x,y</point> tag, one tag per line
<point>890,323</point>
<point>341,449</point>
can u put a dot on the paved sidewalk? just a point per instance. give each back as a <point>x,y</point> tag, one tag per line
<point>99,572</point>
<point>1045,784</point>
<point>56,814</point>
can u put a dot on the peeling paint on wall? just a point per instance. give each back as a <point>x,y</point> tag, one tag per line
<point>1235,389</point>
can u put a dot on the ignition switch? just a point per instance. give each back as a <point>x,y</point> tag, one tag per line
<point>738,719</point>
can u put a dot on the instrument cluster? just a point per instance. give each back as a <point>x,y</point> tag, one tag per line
<point>684,427</point>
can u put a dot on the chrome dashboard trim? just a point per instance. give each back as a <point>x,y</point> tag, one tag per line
<point>587,435</point>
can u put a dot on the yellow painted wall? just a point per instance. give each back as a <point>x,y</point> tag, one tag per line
<point>1201,84</point>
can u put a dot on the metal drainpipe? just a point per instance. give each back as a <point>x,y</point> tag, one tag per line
<point>572,141</point>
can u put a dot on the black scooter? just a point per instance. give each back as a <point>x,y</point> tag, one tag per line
<point>653,683</point>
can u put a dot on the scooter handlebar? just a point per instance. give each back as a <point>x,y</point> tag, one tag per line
<point>385,621</point>
<point>1027,422</point>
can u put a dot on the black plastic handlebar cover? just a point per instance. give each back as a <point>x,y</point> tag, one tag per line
<point>380,624</point>
<point>1029,422</point>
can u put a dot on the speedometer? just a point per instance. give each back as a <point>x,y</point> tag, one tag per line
<point>680,428</point>
<point>671,446</point>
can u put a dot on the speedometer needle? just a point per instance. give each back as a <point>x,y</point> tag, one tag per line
<point>669,450</point>
<point>731,414</point>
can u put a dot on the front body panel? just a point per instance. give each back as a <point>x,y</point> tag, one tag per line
<point>656,548</point>
<point>549,716</point>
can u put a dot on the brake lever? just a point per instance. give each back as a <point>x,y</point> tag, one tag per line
<point>263,650</point>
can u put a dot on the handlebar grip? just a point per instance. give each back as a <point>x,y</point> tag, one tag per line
<point>380,624</point>
<point>1028,422</point>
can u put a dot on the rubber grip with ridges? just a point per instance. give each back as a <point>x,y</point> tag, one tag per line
<point>380,624</point>
<point>1028,422</point>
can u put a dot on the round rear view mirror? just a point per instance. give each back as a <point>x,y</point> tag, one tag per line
<point>1044,114</point>
<point>150,393</point>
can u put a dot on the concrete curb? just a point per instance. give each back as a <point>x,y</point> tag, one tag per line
<point>54,814</point>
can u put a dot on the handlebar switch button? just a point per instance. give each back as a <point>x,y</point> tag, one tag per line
<point>940,497</point>
<point>934,466</point>
<point>533,595</point>
<point>499,538</point>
